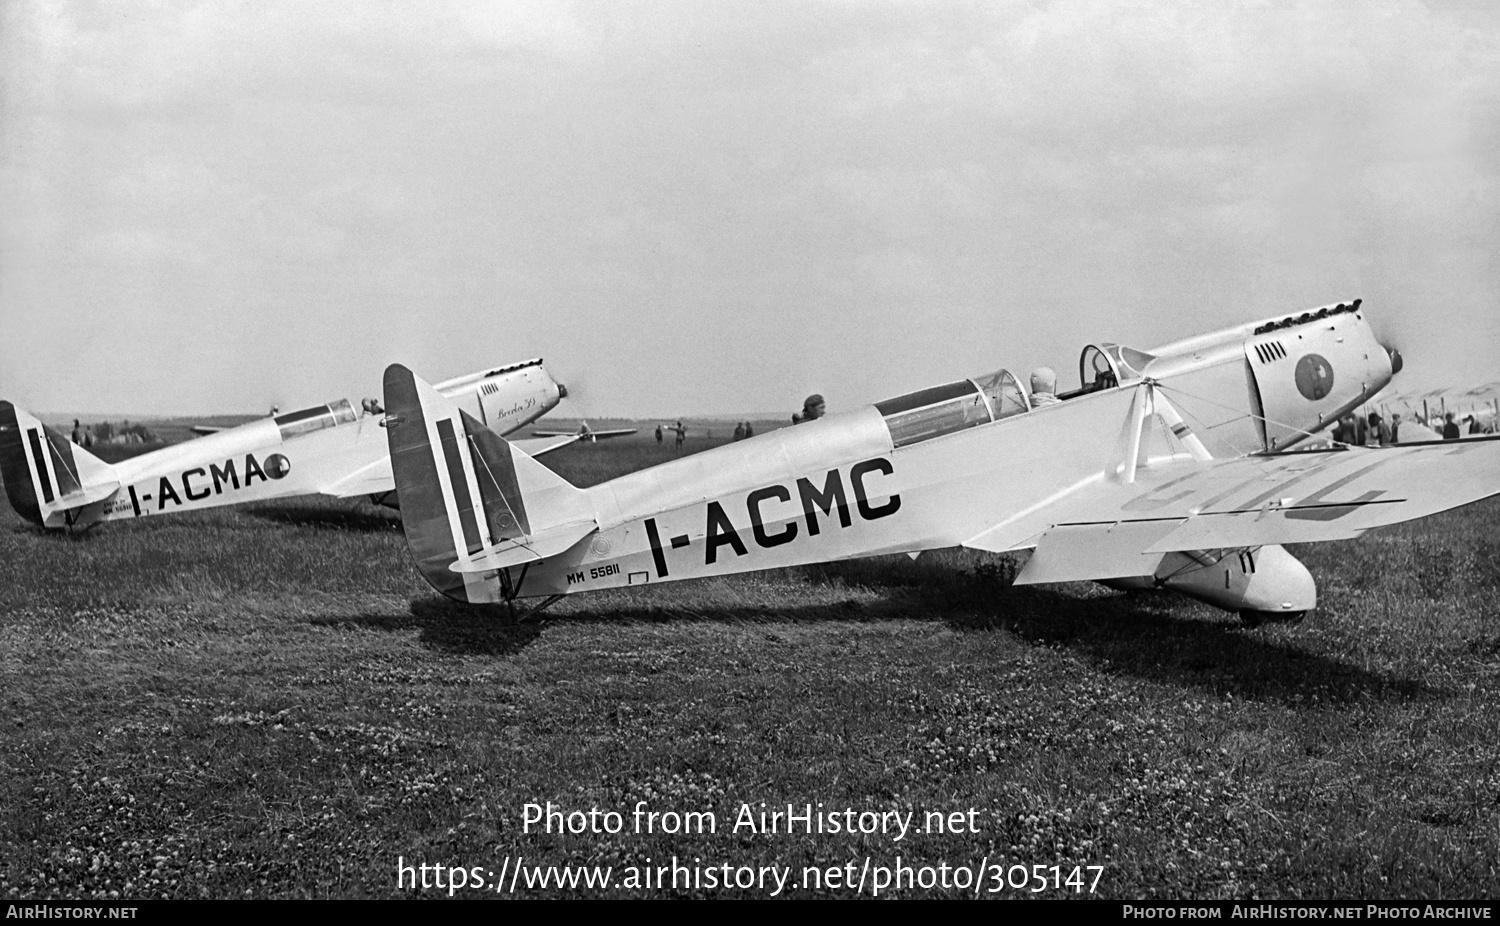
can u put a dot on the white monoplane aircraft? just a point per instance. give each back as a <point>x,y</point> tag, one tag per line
<point>330,449</point>
<point>586,433</point>
<point>1172,468</point>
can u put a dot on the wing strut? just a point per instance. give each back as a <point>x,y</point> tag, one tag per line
<point>1147,403</point>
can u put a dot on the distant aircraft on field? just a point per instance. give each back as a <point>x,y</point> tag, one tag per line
<point>586,433</point>
<point>1479,404</point>
<point>1176,468</point>
<point>332,449</point>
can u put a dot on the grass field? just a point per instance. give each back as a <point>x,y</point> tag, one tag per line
<point>268,701</point>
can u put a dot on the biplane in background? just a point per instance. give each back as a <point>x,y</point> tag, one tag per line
<point>334,449</point>
<point>1183,468</point>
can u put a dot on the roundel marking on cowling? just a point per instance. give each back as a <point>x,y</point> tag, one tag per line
<point>1314,377</point>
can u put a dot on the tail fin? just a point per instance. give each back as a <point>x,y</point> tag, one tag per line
<point>48,477</point>
<point>472,504</point>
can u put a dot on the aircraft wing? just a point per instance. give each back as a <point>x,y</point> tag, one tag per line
<point>373,479</point>
<point>203,430</point>
<point>537,447</point>
<point>376,478</point>
<point>1105,528</point>
<point>592,435</point>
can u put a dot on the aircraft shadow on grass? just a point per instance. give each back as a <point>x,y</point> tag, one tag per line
<point>366,519</point>
<point>1150,635</point>
<point>448,627</point>
<point>1143,635</point>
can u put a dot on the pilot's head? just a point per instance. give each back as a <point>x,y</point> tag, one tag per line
<point>813,408</point>
<point>1043,379</point>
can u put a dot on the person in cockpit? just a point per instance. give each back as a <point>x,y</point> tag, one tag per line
<point>812,409</point>
<point>1044,387</point>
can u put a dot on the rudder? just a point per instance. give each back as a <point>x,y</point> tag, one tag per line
<point>465,493</point>
<point>46,475</point>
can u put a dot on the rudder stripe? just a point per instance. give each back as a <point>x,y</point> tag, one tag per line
<point>460,483</point>
<point>39,461</point>
<point>15,469</point>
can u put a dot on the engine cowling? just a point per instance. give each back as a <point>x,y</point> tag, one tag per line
<point>1310,369</point>
<point>1271,385</point>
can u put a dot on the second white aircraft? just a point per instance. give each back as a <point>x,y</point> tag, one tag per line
<point>333,449</point>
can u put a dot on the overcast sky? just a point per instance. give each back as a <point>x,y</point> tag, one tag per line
<point>707,207</point>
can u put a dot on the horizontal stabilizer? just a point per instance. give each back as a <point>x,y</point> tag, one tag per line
<point>89,494</point>
<point>525,550</point>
